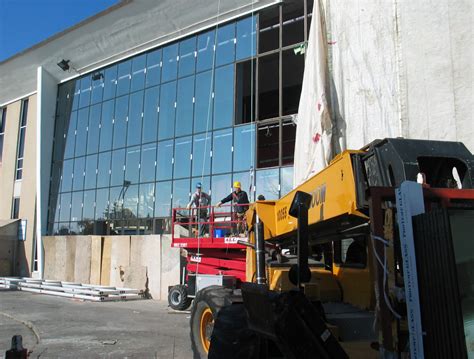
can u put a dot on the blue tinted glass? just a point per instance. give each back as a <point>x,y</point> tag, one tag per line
<point>70,136</point>
<point>222,151</point>
<point>117,168</point>
<point>110,82</point>
<point>203,105</point>
<point>170,64</point>
<point>286,180</point>
<point>103,168</point>
<point>145,202</point>
<point>182,157</point>
<point>225,44</point>
<point>65,211</point>
<point>123,77</point>
<point>86,88</point>
<point>244,147</point>
<point>76,206</point>
<point>163,199</point>
<point>101,203</point>
<point>187,49</point>
<point>150,115</point>
<point>134,131</point>
<point>167,110</point>
<point>205,183</point>
<point>78,176</point>
<point>181,193</point>
<point>77,92</point>
<point>66,176</point>
<point>268,183</point>
<point>120,121</point>
<point>205,51</point>
<point>97,87</point>
<point>81,131</point>
<point>246,38</point>
<point>201,155</point>
<point>138,72</point>
<point>245,179</point>
<point>88,210</point>
<point>153,68</point>
<point>147,163</point>
<point>224,97</point>
<point>115,206</point>
<point>164,166</point>
<point>132,169</point>
<point>106,125</point>
<point>91,169</point>
<point>93,130</point>
<point>221,186</point>
<point>130,202</point>
<point>184,107</point>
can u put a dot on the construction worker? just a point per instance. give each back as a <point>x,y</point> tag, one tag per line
<point>241,201</point>
<point>200,200</point>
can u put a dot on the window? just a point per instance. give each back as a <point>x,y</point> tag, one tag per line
<point>77,92</point>
<point>288,134</point>
<point>81,131</point>
<point>103,170</point>
<point>182,157</point>
<point>268,86</point>
<point>76,206</point>
<point>203,106</point>
<point>185,107</point>
<point>66,176</point>
<point>167,110</point>
<point>90,178</point>
<point>148,163</point>
<point>101,203</point>
<point>163,199</point>
<point>117,168</point>
<point>93,129</point>
<point>246,180</point>
<point>246,39</point>
<point>205,51</point>
<point>120,122</point>
<point>138,72</point>
<point>132,166</point>
<point>286,180</point>
<point>164,166</point>
<point>146,200</point>
<point>268,183</point>
<point>21,140</point>
<point>65,207</point>
<point>181,194</point>
<point>292,81</point>
<point>268,145</point>
<point>170,63</point>
<point>78,174</point>
<point>187,50</point>
<point>150,115</point>
<point>123,77</point>
<point>222,151</point>
<point>110,82</point>
<point>85,94</point>
<point>224,97</point>
<point>245,91</point>
<point>130,202</point>
<point>3,119</point>
<point>221,186</point>
<point>88,205</point>
<point>269,29</point>
<point>134,132</point>
<point>293,22</point>
<point>244,150</point>
<point>201,155</point>
<point>106,126</point>
<point>225,44</point>
<point>16,208</point>
<point>70,136</point>
<point>153,68</point>
<point>97,87</point>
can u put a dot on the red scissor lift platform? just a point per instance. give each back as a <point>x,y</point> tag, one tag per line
<point>215,256</point>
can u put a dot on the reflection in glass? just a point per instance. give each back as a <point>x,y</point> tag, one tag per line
<point>182,157</point>
<point>110,82</point>
<point>164,166</point>
<point>184,107</point>
<point>76,206</point>
<point>101,203</point>
<point>81,131</point>
<point>181,193</point>
<point>167,110</point>
<point>65,210</point>
<point>187,49</point>
<point>71,136</point>
<point>224,97</point>
<point>163,199</point>
<point>146,200</point>
<point>244,147</point>
<point>91,172</point>
<point>246,39</point>
<point>221,186</point>
<point>286,180</point>
<point>106,126</point>
<point>268,183</point>
<point>222,151</point>
<point>114,209</point>
<point>201,155</point>
<point>170,65</point>
<point>148,163</point>
<point>117,167</point>
<point>130,202</point>
<point>86,87</point>
<point>120,121</point>
<point>150,115</point>
<point>66,176</point>
<point>103,168</point>
<point>77,92</point>
<point>205,51</point>
<point>124,76</point>
<point>93,129</point>
<point>153,68</point>
<point>134,129</point>
<point>138,72</point>
<point>203,106</point>
<point>88,209</point>
<point>225,44</point>
<point>132,169</point>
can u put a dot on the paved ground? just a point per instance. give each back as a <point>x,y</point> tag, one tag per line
<point>55,327</point>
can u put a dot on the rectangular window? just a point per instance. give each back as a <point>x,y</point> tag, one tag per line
<point>269,29</point>
<point>292,80</point>
<point>246,39</point>
<point>16,208</point>
<point>167,110</point>
<point>21,140</point>
<point>150,115</point>
<point>163,199</point>
<point>185,107</point>
<point>182,157</point>
<point>224,97</point>
<point>293,22</point>
<point>3,118</point>
<point>245,91</point>
<point>187,49</point>
<point>268,145</point>
<point>268,86</point>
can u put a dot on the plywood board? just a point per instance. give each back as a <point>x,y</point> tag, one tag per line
<point>105,264</point>
<point>49,245</point>
<point>146,251</point>
<point>135,277</point>
<point>95,259</point>
<point>119,259</point>
<point>60,258</point>
<point>82,259</point>
<point>70,257</point>
<point>170,265</point>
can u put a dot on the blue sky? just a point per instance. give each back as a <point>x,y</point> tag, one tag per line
<point>24,23</point>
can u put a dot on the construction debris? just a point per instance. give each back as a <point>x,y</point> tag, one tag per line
<point>89,292</point>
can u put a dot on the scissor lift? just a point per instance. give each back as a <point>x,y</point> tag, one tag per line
<point>215,258</point>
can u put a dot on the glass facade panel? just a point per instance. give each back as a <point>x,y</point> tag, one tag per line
<point>224,97</point>
<point>117,168</point>
<point>205,182</point>
<point>185,107</point>
<point>163,199</point>
<point>103,170</point>
<point>106,125</point>
<point>102,203</point>
<point>66,176</point>
<point>170,63</point>
<point>71,136</point>
<point>286,180</point>
<point>205,51</point>
<point>187,49</point>
<point>116,205</point>
<point>76,206</point>
<point>164,167</point>
<point>85,95</point>
<point>77,92</point>
<point>246,39</point>
<point>268,183</point>
<point>81,132</point>
<point>90,172</point>
<point>246,180</point>
<point>150,115</point>
<point>110,82</point>
<point>134,131</point>
<point>153,68</point>
<point>130,202</point>
<point>182,157</point>
<point>97,87</point>
<point>181,193</point>
<point>268,89</point>
<point>148,163</point>
<point>244,148</point>
<point>203,105</point>
<point>201,155</point>
<point>89,205</point>
<point>132,168</point>
<point>167,110</point>
<point>138,72</point>
<point>65,209</point>
<point>123,77</point>
<point>221,187</point>
<point>222,155</point>
<point>225,44</point>
<point>93,129</point>
<point>120,122</point>
<point>146,201</point>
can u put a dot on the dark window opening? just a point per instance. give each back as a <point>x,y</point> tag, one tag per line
<point>245,92</point>
<point>292,81</point>
<point>21,140</point>
<point>268,146</point>
<point>268,86</point>
<point>288,134</point>
<point>269,29</point>
<point>293,22</point>
<point>16,208</point>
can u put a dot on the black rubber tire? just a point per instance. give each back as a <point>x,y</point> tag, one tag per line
<point>178,297</point>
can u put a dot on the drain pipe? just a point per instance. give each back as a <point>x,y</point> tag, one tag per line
<point>260,252</point>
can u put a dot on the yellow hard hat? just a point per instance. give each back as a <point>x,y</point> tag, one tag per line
<point>237,184</point>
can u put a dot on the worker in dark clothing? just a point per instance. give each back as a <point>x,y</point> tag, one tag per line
<point>241,201</point>
<point>200,200</point>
